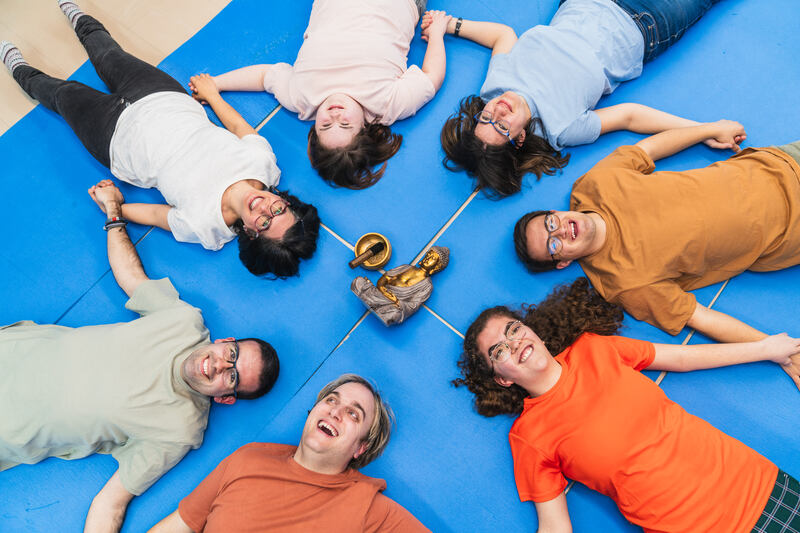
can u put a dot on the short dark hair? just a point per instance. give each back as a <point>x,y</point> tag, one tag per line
<point>352,166</point>
<point>498,169</point>
<point>521,244</point>
<point>281,257</point>
<point>568,312</point>
<point>269,370</point>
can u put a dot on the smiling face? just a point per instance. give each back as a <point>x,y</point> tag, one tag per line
<point>339,118</point>
<point>257,206</point>
<point>576,231</point>
<point>528,355</point>
<point>208,371</point>
<point>337,426</point>
<point>511,110</point>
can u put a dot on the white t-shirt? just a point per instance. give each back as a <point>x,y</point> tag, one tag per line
<point>165,140</point>
<point>359,48</point>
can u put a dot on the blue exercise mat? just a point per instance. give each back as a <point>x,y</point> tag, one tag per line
<point>449,466</point>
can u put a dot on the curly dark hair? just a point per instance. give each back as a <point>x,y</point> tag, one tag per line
<point>281,257</point>
<point>498,169</point>
<point>352,166</point>
<point>569,311</point>
<point>521,244</point>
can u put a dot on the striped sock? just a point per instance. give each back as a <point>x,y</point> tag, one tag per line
<point>71,10</point>
<point>11,56</point>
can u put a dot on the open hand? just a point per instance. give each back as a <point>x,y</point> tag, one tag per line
<point>729,135</point>
<point>434,23</point>
<point>203,86</point>
<point>106,193</point>
<point>785,351</point>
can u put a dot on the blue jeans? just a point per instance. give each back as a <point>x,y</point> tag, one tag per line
<point>92,114</point>
<point>663,22</point>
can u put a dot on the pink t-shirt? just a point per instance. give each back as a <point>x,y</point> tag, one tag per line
<point>359,48</point>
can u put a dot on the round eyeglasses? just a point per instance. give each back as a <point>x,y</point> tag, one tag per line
<point>502,351</point>
<point>500,126</point>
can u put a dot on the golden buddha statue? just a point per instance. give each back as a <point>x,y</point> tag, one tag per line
<point>402,290</point>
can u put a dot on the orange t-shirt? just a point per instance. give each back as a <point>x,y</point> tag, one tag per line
<point>671,232</point>
<point>260,487</point>
<point>609,427</point>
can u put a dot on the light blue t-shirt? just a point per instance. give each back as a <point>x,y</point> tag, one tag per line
<point>563,69</point>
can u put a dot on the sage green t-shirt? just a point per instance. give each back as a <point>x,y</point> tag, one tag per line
<point>116,388</point>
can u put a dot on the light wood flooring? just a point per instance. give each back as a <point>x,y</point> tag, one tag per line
<point>149,29</point>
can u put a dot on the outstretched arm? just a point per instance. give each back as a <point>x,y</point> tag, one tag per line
<point>122,256</point>
<point>243,79</point>
<point>553,515</point>
<point>722,327</point>
<point>780,349</point>
<point>435,62</point>
<point>107,511</point>
<point>205,90</point>
<point>725,132</point>
<point>640,118</point>
<point>171,524</point>
<point>499,37</point>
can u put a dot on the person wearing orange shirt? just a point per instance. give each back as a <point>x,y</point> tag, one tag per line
<point>314,486</point>
<point>588,414</point>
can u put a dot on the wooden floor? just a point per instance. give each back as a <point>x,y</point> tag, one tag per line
<point>150,29</point>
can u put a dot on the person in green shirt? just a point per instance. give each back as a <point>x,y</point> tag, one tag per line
<point>139,390</point>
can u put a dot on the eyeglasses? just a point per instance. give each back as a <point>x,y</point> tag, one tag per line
<point>276,208</point>
<point>500,126</point>
<point>552,223</point>
<point>234,375</point>
<point>502,351</point>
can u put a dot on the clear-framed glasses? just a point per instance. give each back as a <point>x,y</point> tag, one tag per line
<point>552,223</point>
<point>276,209</point>
<point>500,126</point>
<point>233,376</point>
<point>502,351</point>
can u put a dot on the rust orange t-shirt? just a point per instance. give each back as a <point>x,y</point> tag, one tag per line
<point>260,487</point>
<point>611,428</point>
<point>670,232</point>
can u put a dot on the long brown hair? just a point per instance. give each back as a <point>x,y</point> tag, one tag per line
<point>353,166</point>
<point>498,169</point>
<point>568,312</point>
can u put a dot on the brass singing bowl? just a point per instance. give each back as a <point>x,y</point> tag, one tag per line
<point>376,261</point>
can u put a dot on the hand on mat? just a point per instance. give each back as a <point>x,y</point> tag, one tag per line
<point>104,193</point>
<point>203,86</point>
<point>729,134</point>
<point>785,351</point>
<point>434,23</point>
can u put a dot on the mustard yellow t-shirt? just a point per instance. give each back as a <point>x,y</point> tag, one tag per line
<point>670,232</point>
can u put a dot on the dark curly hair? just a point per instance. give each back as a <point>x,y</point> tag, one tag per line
<point>281,257</point>
<point>352,166</point>
<point>498,169</point>
<point>565,314</point>
<point>521,244</point>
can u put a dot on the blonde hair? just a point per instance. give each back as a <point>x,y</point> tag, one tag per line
<point>381,428</point>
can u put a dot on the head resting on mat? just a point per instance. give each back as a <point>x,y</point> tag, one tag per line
<point>494,142</point>
<point>344,148</point>
<point>547,328</point>
<point>276,232</point>
<point>549,240</point>
<point>348,427</point>
<point>230,369</point>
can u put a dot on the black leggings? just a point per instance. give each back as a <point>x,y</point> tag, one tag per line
<point>91,114</point>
